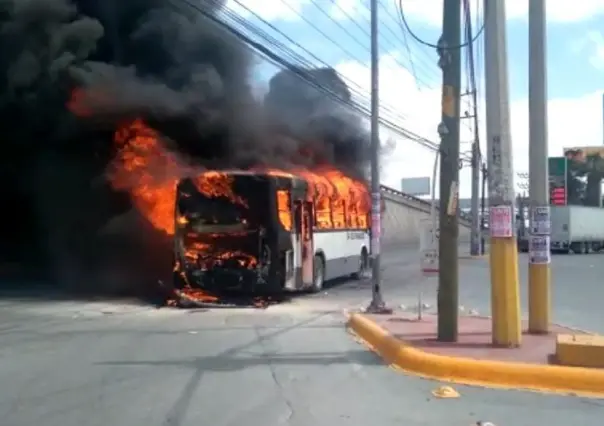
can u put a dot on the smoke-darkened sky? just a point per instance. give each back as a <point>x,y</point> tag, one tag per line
<point>167,62</point>
<point>159,60</point>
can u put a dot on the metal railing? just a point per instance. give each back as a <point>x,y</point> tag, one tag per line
<point>423,203</point>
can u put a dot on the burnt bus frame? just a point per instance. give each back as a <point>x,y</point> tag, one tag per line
<point>276,237</point>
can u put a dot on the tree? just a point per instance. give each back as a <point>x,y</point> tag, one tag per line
<point>586,171</point>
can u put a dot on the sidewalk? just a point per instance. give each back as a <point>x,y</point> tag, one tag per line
<point>411,345</point>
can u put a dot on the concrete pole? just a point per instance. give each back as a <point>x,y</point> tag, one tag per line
<point>483,193</point>
<point>377,304</point>
<point>448,278</point>
<point>475,231</point>
<point>539,240</point>
<point>505,301</point>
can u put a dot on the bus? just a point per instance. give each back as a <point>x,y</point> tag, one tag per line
<point>266,232</point>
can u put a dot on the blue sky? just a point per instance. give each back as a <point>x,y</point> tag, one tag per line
<point>335,32</point>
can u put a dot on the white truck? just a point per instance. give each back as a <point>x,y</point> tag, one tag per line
<point>577,229</point>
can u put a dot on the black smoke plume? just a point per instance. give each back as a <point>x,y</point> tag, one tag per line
<point>159,60</point>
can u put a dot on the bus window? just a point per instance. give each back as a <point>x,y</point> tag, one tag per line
<point>351,217</point>
<point>339,213</point>
<point>323,213</point>
<point>284,209</point>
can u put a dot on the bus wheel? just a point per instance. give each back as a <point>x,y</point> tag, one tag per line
<point>363,265</point>
<point>318,274</point>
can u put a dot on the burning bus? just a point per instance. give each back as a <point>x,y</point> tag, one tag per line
<point>269,231</point>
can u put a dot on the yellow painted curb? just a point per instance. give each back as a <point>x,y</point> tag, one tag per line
<point>499,374</point>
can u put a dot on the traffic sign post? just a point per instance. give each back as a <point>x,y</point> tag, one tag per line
<point>429,261</point>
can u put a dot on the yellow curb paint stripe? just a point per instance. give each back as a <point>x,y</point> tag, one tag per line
<point>499,374</point>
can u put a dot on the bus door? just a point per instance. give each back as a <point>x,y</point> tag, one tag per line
<point>304,252</point>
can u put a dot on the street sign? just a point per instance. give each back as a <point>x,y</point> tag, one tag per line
<point>428,246</point>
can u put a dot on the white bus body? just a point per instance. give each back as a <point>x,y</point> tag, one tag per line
<point>322,254</point>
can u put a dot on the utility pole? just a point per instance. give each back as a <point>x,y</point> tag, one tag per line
<point>450,63</point>
<point>539,239</point>
<point>505,301</point>
<point>475,232</point>
<point>483,207</point>
<point>476,160</point>
<point>377,305</point>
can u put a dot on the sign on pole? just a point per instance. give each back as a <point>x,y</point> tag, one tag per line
<point>539,239</point>
<point>501,221</point>
<point>539,250</point>
<point>540,220</point>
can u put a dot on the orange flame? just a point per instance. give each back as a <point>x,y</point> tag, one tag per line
<point>149,172</point>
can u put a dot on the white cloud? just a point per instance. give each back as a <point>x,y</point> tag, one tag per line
<point>572,122</point>
<point>285,10</point>
<point>430,11</point>
<point>348,9</point>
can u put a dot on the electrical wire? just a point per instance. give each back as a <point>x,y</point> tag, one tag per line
<point>277,53</point>
<point>422,141</point>
<point>435,46</point>
<point>428,62</point>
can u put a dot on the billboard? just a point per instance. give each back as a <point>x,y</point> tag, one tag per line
<point>416,186</point>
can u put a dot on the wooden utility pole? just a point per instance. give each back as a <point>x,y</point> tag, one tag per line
<point>450,63</point>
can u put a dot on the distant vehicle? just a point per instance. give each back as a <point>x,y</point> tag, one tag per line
<point>577,229</point>
<point>574,229</point>
<point>268,232</point>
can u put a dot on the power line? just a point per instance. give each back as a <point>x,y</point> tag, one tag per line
<point>425,43</point>
<point>401,131</point>
<point>278,53</point>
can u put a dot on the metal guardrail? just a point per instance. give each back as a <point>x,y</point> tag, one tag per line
<point>425,204</point>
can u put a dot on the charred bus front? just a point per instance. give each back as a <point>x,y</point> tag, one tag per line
<point>227,232</point>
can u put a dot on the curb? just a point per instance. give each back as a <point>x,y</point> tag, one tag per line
<point>497,374</point>
<point>471,257</point>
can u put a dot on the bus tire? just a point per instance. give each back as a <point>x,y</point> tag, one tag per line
<point>318,274</point>
<point>363,265</point>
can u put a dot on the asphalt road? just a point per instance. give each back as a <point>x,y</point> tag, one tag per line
<point>74,364</point>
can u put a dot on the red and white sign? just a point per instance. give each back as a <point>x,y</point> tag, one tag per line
<point>501,221</point>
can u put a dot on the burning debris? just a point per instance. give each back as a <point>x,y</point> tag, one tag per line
<point>140,99</point>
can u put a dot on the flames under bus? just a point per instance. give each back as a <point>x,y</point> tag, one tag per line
<point>263,233</point>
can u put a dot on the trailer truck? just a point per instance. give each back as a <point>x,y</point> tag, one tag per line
<point>574,229</point>
<point>577,229</point>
